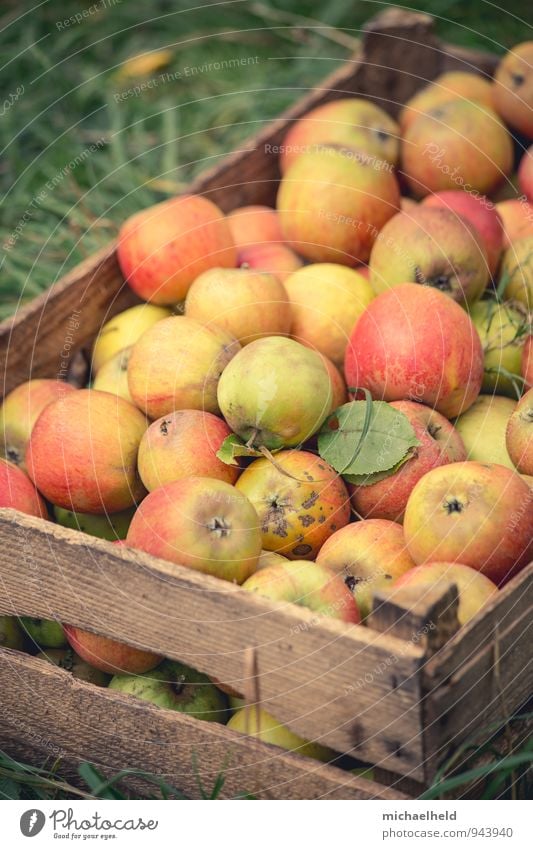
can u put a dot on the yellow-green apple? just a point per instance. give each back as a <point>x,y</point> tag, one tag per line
<point>111,527</point>
<point>300,501</point>
<point>481,213</point>
<point>482,429</point>
<point>474,588</point>
<point>519,435</point>
<point>527,363</point>
<point>19,412</point>
<point>176,365</point>
<point>275,392</point>
<point>124,330</point>
<point>477,514</point>
<point>517,272</point>
<point>439,444</point>
<point>332,203</point>
<point>82,453</point>
<point>434,247</point>
<point>110,655</point>
<point>245,303</point>
<point>257,722</point>
<point>18,492</point>
<point>369,555</point>
<point>517,219</point>
<point>325,302</point>
<point>162,249</point>
<point>67,659</point>
<point>270,257</point>
<point>456,145</point>
<point>45,633</point>
<point>306,584</point>
<point>513,88</point>
<point>181,444</point>
<point>415,343</point>
<point>453,85</point>
<point>253,225</point>
<point>352,122</point>
<point>112,376</point>
<point>502,328</point>
<point>525,174</point>
<point>11,636</point>
<point>175,686</point>
<point>202,523</point>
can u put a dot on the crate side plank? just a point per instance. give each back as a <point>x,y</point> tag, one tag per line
<point>324,679</point>
<point>118,732</point>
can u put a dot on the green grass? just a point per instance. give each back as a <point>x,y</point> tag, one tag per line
<point>76,160</point>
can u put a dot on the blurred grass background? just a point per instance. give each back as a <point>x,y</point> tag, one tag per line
<point>80,152</point>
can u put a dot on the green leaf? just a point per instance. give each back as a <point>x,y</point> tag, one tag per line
<point>365,438</point>
<point>233,447</point>
<point>368,480</point>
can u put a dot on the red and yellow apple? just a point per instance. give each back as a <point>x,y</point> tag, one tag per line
<point>453,85</point>
<point>513,88</point>
<point>253,225</point>
<point>525,174</point>
<point>110,655</point>
<point>519,436</point>
<point>517,219</point>
<point>18,492</point>
<point>474,588</point>
<point>270,257</point>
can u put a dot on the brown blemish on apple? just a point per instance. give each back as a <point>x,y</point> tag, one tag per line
<point>306,519</point>
<point>309,502</point>
<point>163,427</point>
<point>301,550</point>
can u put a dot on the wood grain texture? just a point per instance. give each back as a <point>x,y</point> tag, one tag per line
<point>319,676</point>
<point>47,708</point>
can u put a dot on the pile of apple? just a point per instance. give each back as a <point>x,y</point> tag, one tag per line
<point>317,401</point>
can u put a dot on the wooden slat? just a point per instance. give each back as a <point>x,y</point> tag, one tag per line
<point>319,676</point>
<point>46,708</point>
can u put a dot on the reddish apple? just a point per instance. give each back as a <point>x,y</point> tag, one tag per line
<point>453,85</point>
<point>415,343</point>
<point>517,219</point>
<point>525,174</point>
<point>519,436</point>
<point>18,492</point>
<point>513,88</point>
<point>440,444</point>
<point>252,225</point>
<point>474,588</point>
<point>527,363</point>
<point>270,257</point>
<point>109,655</point>
<point>477,514</point>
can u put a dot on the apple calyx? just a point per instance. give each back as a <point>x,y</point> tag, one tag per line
<point>67,661</point>
<point>219,526</point>
<point>452,504</point>
<point>13,455</point>
<point>178,685</point>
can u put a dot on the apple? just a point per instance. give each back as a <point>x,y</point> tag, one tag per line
<point>246,304</point>
<point>332,203</point>
<point>257,722</point>
<point>83,452</point>
<point>339,392</point>
<point>181,444</point>
<point>482,429</point>
<point>18,492</point>
<point>110,655</point>
<point>456,145</point>
<point>481,213</point>
<point>415,343</point>
<point>300,501</point>
<point>477,514</point>
<point>202,523</point>
<point>433,247</point>
<point>528,479</point>
<point>111,527</point>
<point>253,225</point>
<point>501,328</point>
<point>519,435</point>
<point>11,636</point>
<point>45,633</point>
<point>306,584</point>
<point>517,272</point>
<point>176,365</point>
<point>369,555</point>
<point>453,85</point>
<point>352,122</point>
<point>525,174</point>
<point>175,686</point>
<point>513,88</point>
<point>124,330</point>
<point>112,376</point>
<point>270,257</point>
<point>67,659</point>
<point>275,392</point>
<point>325,302</point>
<point>161,250</point>
<point>474,588</point>
<point>269,558</point>
<point>439,444</point>
<point>517,218</point>
<point>19,412</point>
<point>527,363</point>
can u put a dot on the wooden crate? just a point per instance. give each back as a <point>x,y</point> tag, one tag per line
<point>398,694</point>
